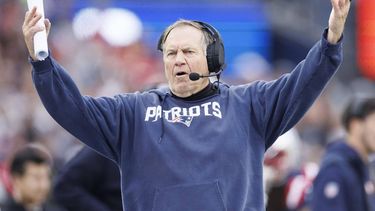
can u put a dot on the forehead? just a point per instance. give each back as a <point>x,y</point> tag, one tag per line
<point>32,168</point>
<point>184,35</point>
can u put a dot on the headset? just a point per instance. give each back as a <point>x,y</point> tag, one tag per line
<point>215,51</point>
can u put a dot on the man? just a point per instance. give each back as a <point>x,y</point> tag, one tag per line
<point>30,172</point>
<point>343,180</point>
<point>89,181</point>
<point>196,145</point>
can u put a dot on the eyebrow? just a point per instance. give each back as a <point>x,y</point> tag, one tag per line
<point>183,49</point>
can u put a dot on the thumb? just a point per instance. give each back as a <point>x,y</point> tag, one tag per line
<point>47,24</point>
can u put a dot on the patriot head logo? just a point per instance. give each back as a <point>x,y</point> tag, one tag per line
<point>186,120</point>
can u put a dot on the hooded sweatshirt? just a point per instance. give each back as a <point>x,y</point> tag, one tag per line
<point>176,154</point>
<point>340,184</point>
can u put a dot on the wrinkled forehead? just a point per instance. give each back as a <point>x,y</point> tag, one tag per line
<point>184,35</point>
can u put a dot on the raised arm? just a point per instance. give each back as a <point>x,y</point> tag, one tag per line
<point>284,101</point>
<point>98,122</point>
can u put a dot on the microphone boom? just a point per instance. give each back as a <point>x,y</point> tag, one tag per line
<point>195,76</point>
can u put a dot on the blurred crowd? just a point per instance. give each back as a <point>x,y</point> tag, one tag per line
<point>102,65</point>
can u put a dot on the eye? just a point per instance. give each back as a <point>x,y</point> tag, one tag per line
<point>189,52</point>
<point>171,53</point>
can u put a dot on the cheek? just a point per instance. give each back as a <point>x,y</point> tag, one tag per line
<point>202,65</point>
<point>370,127</point>
<point>46,184</point>
<point>168,69</point>
<point>27,187</point>
<point>370,135</point>
<point>32,184</point>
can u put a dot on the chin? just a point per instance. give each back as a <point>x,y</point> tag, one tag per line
<point>182,91</point>
<point>181,87</point>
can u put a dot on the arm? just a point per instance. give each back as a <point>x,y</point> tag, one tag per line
<point>79,184</point>
<point>96,122</point>
<point>280,104</point>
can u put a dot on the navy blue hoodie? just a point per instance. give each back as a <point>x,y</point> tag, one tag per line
<point>189,155</point>
<point>340,184</point>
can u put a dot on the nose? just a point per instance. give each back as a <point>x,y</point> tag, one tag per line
<point>180,58</point>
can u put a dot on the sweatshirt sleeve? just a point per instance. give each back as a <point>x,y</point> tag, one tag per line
<point>94,121</point>
<point>79,184</point>
<point>281,103</point>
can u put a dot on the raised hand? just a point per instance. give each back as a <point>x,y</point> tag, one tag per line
<point>30,28</point>
<point>336,23</point>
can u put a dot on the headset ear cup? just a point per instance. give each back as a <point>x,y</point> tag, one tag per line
<point>221,55</point>
<point>215,56</point>
<point>218,58</point>
<point>210,56</point>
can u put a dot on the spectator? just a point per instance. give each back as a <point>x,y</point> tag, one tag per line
<point>343,180</point>
<point>30,172</point>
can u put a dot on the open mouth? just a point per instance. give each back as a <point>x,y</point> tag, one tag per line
<point>181,73</point>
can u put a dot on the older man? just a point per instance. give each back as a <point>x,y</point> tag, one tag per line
<point>196,145</point>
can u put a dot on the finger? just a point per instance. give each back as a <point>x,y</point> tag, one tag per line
<point>47,23</point>
<point>34,20</point>
<point>30,14</point>
<point>336,5</point>
<point>27,17</point>
<point>33,30</point>
<point>25,21</point>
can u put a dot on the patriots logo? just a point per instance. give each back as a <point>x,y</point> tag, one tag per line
<point>186,120</point>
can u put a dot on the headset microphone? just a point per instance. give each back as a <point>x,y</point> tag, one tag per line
<point>195,76</point>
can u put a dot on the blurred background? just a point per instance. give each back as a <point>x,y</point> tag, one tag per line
<point>109,47</point>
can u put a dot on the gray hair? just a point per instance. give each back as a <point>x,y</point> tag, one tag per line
<point>208,39</point>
